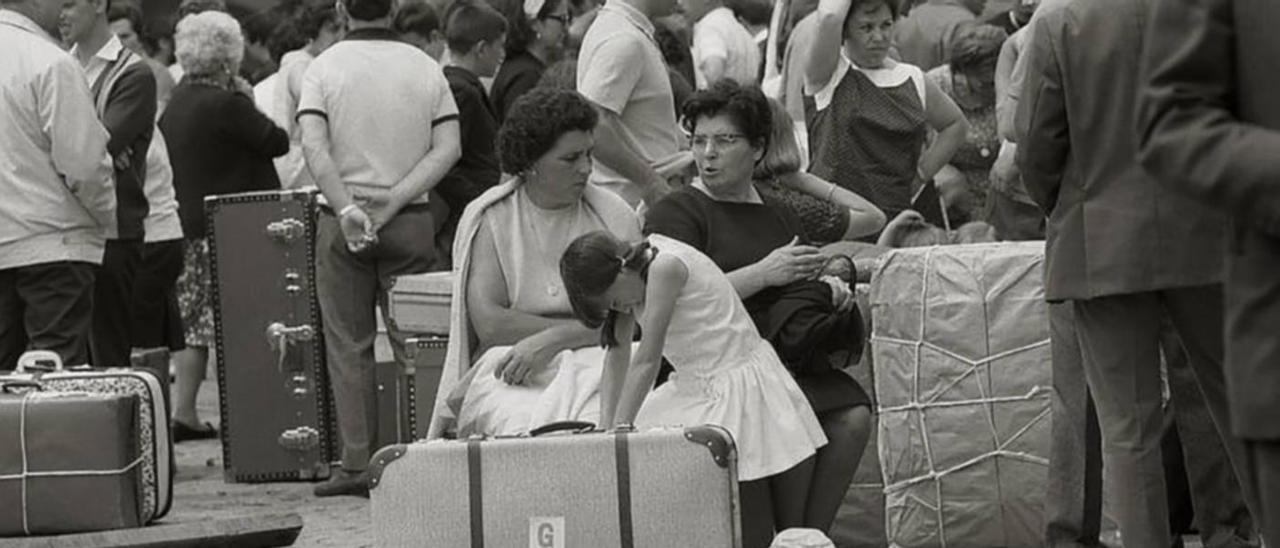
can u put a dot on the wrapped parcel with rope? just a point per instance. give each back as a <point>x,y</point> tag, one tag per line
<point>961,349</point>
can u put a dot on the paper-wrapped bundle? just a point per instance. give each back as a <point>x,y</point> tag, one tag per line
<point>961,349</point>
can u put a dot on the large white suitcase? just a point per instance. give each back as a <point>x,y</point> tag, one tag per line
<point>659,488</point>
<point>155,443</point>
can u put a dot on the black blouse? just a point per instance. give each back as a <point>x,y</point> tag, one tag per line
<point>219,143</point>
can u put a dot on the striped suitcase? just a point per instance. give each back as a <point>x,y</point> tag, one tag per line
<point>648,489</point>
<point>45,368</point>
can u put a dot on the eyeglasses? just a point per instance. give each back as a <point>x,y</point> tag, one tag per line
<point>564,18</point>
<point>720,140</point>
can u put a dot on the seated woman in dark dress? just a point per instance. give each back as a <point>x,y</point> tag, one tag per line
<point>763,248</point>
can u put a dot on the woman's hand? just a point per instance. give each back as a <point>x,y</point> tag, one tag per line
<point>526,358</point>
<point>242,86</point>
<point>790,263</point>
<point>908,217</point>
<point>842,297</point>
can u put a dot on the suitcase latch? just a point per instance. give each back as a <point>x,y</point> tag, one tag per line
<point>302,438</point>
<point>280,336</point>
<point>286,230</point>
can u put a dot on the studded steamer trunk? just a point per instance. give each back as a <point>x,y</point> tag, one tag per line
<point>276,420</point>
<point>657,488</point>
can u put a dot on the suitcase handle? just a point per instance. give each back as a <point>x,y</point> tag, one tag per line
<point>6,385</point>
<point>561,426</point>
<point>40,360</point>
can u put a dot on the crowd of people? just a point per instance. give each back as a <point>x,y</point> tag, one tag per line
<point>656,212</point>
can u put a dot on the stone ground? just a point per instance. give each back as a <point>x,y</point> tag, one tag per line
<point>200,493</point>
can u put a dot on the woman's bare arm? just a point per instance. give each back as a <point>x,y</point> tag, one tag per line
<point>489,306</point>
<point>864,217</point>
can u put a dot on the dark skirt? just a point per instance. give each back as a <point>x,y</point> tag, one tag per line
<point>155,318</point>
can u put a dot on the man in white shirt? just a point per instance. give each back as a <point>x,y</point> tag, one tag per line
<point>621,71</point>
<point>722,47</point>
<point>59,198</point>
<point>379,130</point>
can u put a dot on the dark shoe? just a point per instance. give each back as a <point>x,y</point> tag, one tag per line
<point>345,482</point>
<point>181,432</point>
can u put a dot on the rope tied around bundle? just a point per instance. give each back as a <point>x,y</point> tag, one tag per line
<point>986,400</point>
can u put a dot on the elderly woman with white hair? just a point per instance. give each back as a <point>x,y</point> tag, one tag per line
<point>219,143</point>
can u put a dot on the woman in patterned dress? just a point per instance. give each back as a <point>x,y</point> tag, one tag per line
<point>870,114</point>
<point>219,143</point>
<point>970,80</point>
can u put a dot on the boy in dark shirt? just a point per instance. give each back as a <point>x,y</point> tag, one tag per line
<point>475,33</point>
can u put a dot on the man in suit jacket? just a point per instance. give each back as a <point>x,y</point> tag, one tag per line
<point>1125,252</point>
<point>1210,127</point>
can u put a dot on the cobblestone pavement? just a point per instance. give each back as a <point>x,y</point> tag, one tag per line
<point>200,493</point>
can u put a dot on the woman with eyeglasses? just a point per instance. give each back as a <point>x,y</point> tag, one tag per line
<point>766,251</point>
<point>871,114</point>
<point>536,35</point>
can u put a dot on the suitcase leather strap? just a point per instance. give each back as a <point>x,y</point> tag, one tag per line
<point>622,459</point>
<point>622,454</point>
<point>474,485</point>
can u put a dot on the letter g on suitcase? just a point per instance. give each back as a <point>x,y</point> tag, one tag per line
<point>649,489</point>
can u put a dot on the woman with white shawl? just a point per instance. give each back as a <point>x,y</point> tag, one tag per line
<point>517,359</point>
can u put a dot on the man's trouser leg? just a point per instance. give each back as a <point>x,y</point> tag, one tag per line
<point>351,287</point>
<point>1221,515</point>
<point>46,307</point>
<point>1073,501</point>
<point>1264,479</point>
<point>406,245</point>
<point>1119,337</point>
<point>346,285</point>
<point>1197,316</point>
<point>112,303</point>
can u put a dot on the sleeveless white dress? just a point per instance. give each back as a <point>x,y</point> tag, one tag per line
<point>529,242</point>
<point>726,374</point>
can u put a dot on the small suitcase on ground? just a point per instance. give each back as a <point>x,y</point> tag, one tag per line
<point>406,392</point>
<point>69,461</point>
<point>650,489</point>
<point>154,438</point>
<point>419,303</point>
<point>276,424</point>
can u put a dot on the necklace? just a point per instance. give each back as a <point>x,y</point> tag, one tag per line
<point>550,230</point>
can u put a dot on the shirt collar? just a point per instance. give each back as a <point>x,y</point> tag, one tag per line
<point>889,64</point>
<point>23,22</point>
<point>109,51</point>
<point>631,14</point>
<point>373,33</point>
<point>469,77</point>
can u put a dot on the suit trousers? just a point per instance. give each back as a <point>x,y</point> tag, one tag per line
<point>112,339</point>
<point>1120,342</point>
<point>46,307</point>
<point>1220,513</point>
<point>1073,497</point>
<point>351,287</point>
<point>1263,478</point>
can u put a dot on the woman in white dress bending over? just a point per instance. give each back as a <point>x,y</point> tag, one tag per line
<point>725,373</point>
